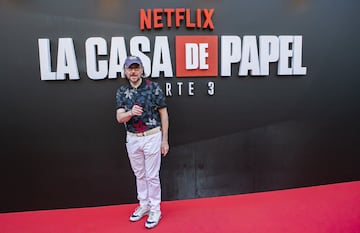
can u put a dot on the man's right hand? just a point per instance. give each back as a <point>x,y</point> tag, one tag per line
<point>136,110</point>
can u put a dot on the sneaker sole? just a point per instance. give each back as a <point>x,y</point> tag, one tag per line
<point>139,218</point>
<point>149,227</point>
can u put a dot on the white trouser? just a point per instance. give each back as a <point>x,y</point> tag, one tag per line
<point>145,159</point>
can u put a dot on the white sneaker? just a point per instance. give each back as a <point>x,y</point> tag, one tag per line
<point>153,219</point>
<point>140,212</point>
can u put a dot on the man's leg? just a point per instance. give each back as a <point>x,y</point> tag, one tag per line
<point>152,150</point>
<point>137,161</point>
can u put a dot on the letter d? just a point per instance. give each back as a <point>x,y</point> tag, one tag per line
<point>191,56</point>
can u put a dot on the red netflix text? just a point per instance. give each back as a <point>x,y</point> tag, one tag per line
<point>173,17</point>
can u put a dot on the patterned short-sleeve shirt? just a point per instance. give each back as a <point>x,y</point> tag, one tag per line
<point>150,97</point>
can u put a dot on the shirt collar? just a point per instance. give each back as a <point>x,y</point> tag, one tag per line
<point>142,85</point>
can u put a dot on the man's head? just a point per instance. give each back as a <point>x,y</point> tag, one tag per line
<point>133,69</point>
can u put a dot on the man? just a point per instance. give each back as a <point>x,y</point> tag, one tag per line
<point>141,107</point>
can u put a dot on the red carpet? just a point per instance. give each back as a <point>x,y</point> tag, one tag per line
<point>319,209</point>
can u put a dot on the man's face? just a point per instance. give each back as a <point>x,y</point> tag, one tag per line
<point>133,73</point>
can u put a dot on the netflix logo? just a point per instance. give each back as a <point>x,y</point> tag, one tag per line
<point>174,17</point>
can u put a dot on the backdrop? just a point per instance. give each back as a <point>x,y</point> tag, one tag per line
<point>61,146</point>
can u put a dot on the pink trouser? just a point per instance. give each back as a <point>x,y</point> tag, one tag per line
<point>145,159</point>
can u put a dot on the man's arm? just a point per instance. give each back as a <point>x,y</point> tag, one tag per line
<point>122,116</point>
<point>165,130</point>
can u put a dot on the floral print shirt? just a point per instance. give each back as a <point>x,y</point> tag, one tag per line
<point>150,97</point>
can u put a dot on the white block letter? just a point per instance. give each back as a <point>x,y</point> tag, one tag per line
<point>168,89</point>
<point>269,52</point>
<point>192,56</point>
<point>298,69</point>
<point>142,42</point>
<point>230,53</point>
<point>250,57</point>
<point>162,52</point>
<point>66,60</point>
<point>285,54</point>
<point>45,60</point>
<point>118,55</point>
<point>203,55</point>
<point>191,88</point>
<point>96,70</point>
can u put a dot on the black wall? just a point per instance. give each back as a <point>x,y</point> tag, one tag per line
<point>62,147</point>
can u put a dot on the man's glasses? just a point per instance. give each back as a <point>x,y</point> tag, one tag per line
<point>133,68</point>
